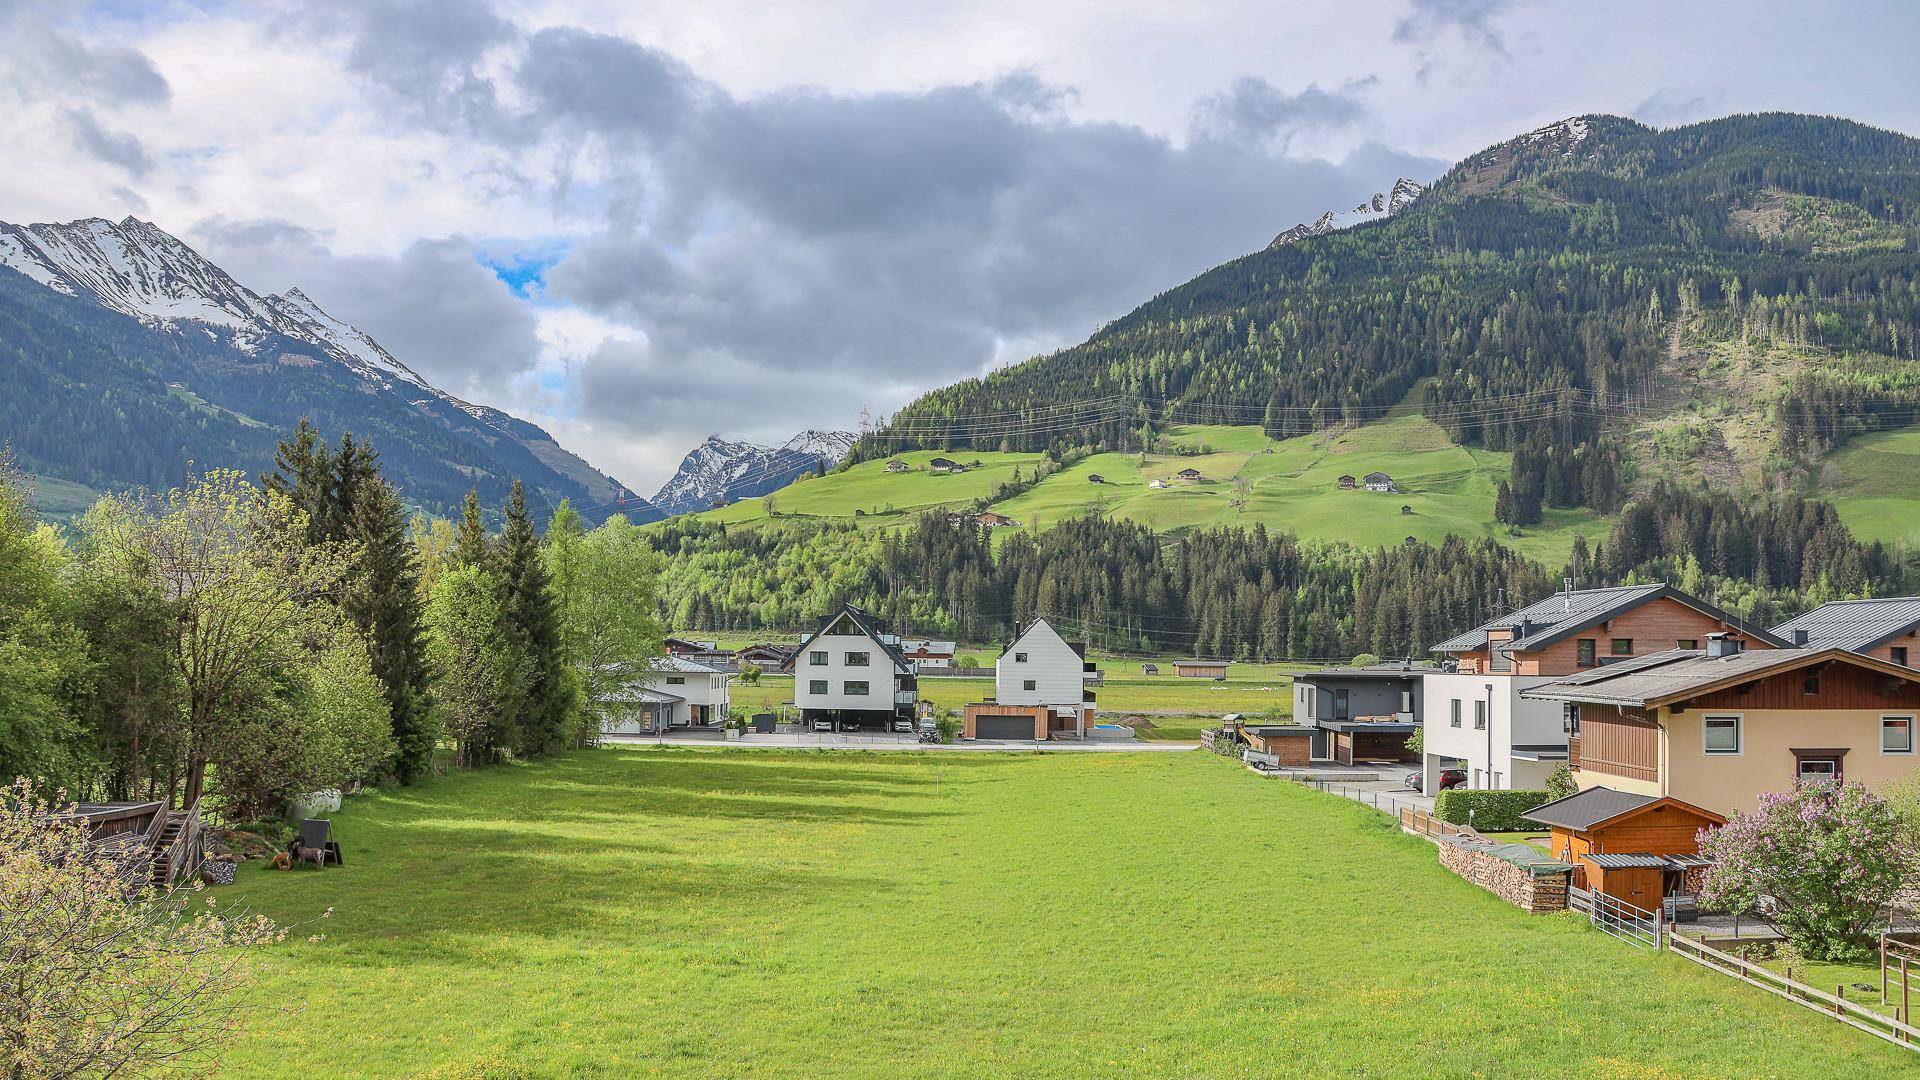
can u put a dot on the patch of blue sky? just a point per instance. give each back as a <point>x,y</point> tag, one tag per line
<point>522,265</point>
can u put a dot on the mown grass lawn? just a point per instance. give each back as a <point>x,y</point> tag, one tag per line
<point>626,912</point>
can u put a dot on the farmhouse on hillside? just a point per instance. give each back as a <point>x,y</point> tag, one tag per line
<point>850,674</point>
<point>1348,483</point>
<point>676,693</point>
<point>1719,727</point>
<point>995,521</point>
<point>1040,690</point>
<point>1888,628</point>
<point>1474,716</point>
<point>1378,481</point>
<point>945,465</point>
<point>1188,475</point>
<point>898,466</point>
<point>1157,484</point>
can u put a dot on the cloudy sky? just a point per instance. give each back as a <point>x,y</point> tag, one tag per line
<point>640,224</point>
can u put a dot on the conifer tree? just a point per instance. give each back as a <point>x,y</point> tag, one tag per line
<point>533,628</point>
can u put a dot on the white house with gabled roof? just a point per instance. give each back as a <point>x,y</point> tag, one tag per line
<point>1040,689</point>
<point>852,674</point>
<point>675,692</point>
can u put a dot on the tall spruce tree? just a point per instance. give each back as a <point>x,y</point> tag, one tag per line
<point>533,627</point>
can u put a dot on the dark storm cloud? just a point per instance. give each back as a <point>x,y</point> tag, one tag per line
<point>434,305</point>
<point>827,250</point>
<point>120,148</point>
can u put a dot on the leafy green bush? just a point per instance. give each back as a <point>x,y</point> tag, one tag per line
<point>1561,784</point>
<point>1487,811</point>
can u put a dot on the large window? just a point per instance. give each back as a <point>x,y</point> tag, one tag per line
<point>1583,651</point>
<point>1454,720</point>
<point>858,659</point>
<point>676,680</point>
<point>1479,716</point>
<point>816,686</point>
<point>1896,734</point>
<point>1720,734</point>
<point>817,658</point>
<point>854,689</point>
<point>1621,646</point>
<point>1029,684</point>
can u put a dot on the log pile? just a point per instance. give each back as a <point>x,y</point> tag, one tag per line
<point>1535,884</point>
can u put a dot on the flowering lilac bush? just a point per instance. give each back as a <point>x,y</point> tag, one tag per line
<point>1827,858</point>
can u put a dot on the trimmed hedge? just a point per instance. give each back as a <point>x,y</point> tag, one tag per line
<point>1492,811</point>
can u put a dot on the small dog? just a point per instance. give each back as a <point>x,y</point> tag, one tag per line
<point>314,855</point>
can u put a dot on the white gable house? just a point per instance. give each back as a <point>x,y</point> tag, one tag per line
<point>852,674</point>
<point>1040,689</point>
<point>674,693</point>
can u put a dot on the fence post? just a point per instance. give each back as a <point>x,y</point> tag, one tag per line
<point>1883,969</point>
<point>1905,1005</point>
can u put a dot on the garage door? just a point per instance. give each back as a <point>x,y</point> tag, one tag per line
<point>1003,727</point>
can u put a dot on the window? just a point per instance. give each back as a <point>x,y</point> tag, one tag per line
<point>1898,654</point>
<point>1019,658</point>
<point>1817,770</point>
<point>1584,651</point>
<point>816,658</point>
<point>1810,685</point>
<point>1720,734</point>
<point>1621,646</point>
<point>676,680</point>
<point>1340,707</point>
<point>1571,716</point>
<point>854,689</point>
<point>858,659</point>
<point>816,686</point>
<point>1479,716</point>
<point>1029,684</point>
<point>1686,643</point>
<point>1454,721</point>
<point>1498,660</point>
<point>1896,734</point>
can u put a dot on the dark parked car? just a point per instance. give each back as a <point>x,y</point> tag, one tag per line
<point>1449,778</point>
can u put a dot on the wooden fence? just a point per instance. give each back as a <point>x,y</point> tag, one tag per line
<point>1894,1029</point>
<point>1415,820</point>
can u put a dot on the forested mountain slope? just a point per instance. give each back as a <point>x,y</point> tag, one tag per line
<point>1539,286</point>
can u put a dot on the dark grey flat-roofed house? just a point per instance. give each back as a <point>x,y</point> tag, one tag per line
<point>1360,713</point>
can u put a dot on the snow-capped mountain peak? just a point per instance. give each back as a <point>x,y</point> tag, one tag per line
<point>721,471</point>
<point>1380,205</point>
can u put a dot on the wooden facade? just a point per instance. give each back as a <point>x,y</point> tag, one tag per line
<point>1665,827</point>
<point>1656,626</point>
<point>1839,686</point>
<point>1617,741</point>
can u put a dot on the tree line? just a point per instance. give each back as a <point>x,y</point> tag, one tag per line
<point>247,641</point>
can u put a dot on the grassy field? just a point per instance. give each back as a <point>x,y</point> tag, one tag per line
<point>1262,688</point>
<point>626,912</point>
<point>1288,484</point>
<point>1874,481</point>
<point>61,500</point>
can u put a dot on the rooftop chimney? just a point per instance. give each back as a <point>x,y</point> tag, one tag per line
<point>1800,636</point>
<point>1724,644</point>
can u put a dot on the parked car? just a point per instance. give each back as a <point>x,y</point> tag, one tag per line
<point>1449,778</point>
<point>823,725</point>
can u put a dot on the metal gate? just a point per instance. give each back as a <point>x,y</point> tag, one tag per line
<point>1634,925</point>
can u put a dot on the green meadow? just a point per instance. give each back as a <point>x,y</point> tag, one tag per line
<point>1874,481</point>
<point>722,913</point>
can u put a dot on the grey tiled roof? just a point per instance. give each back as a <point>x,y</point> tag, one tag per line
<point>1563,614</point>
<point>1588,808</point>
<point>1649,680</point>
<point>1856,624</point>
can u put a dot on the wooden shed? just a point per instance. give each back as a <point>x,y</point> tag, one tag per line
<point>1635,848</point>
<point>1200,669</point>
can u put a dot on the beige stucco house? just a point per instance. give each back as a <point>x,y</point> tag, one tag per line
<point>1719,729</point>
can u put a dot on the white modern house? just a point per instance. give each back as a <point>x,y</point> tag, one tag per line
<point>852,674</point>
<point>674,693</point>
<point>1473,715</point>
<point>1041,689</point>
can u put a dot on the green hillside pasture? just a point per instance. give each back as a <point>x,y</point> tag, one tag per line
<point>733,912</point>
<point>1252,688</point>
<point>1294,485</point>
<point>61,500</point>
<point>1874,481</point>
<point>885,498</point>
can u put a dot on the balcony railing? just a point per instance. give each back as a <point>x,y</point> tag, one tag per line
<point>906,697</point>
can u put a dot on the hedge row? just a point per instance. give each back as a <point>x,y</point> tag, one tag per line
<point>1488,811</point>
